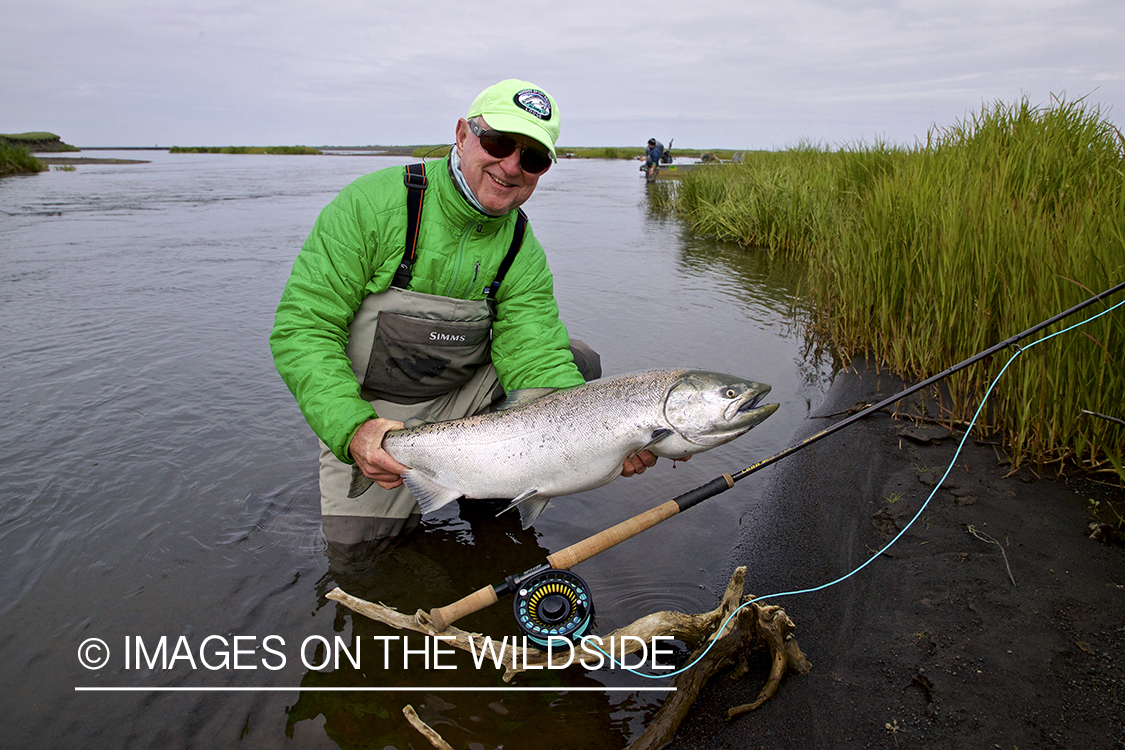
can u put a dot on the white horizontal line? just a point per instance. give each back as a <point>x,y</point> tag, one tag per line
<point>369,689</point>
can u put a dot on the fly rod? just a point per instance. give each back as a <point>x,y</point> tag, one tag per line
<point>581,551</point>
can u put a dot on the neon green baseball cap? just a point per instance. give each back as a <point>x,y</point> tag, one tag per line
<point>515,106</point>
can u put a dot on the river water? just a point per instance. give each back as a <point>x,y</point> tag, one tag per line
<point>158,480</point>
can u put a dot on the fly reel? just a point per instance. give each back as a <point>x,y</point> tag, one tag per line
<point>551,603</point>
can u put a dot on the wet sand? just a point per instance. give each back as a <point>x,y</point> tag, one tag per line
<point>931,645</point>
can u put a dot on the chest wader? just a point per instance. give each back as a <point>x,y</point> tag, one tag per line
<point>418,356</point>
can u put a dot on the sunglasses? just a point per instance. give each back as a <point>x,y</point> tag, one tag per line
<point>501,146</point>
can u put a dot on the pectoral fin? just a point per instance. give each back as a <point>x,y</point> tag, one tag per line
<point>530,506</point>
<point>360,483</point>
<point>657,436</point>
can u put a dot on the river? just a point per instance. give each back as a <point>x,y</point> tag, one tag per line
<point>158,480</point>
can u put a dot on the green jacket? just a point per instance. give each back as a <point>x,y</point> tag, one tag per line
<point>353,250</point>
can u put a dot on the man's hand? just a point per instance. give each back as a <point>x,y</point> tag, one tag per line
<point>636,464</point>
<point>367,450</point>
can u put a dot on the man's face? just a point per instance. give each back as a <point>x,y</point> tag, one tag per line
<point>499,184</point>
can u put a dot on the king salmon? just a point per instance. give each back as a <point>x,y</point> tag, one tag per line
<point>572,440</point>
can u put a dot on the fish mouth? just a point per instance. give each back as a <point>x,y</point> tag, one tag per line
<point>752,401</point>
<point>751,411</point>
<point>760,412</point>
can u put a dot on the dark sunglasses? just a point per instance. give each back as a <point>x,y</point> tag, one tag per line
<point>501,146</point>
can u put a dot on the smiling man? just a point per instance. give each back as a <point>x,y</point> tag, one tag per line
<point>423,293</point>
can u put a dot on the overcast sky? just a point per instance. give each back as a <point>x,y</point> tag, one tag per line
<point>729,74</point>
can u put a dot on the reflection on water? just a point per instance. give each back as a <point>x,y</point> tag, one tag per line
<point>417,571</point>
<point>158,480</point>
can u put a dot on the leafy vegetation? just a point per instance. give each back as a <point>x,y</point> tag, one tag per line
<point>924,256</point>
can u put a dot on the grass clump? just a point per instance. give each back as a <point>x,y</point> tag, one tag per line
<point>16,159</point>
<point>777,200</point>
<point>924,256</point>
<point>995,224</point>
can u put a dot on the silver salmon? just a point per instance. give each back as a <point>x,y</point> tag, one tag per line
<point>574,440</point>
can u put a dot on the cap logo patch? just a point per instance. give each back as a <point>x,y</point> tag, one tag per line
<point>534,102</point>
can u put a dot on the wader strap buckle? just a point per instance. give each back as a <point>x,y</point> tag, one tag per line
<point>517,243</point>
<point>415,179</point>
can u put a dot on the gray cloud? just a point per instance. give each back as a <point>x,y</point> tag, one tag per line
<point>719,74</point>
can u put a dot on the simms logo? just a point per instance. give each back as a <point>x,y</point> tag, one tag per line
<point>435,336</point>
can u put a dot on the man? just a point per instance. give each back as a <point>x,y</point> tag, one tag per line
<point>429,304</point>
<point>653,153</point>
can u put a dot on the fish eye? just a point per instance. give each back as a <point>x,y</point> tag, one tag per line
<point>731,393</point>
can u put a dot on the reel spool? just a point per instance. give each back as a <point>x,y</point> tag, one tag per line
<point>552,603</point>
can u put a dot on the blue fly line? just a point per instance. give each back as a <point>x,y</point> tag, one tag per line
<point>898,536</point>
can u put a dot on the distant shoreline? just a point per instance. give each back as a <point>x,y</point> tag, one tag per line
<point>375,150</point>
<point>79,160</point>
<point>427,150</point>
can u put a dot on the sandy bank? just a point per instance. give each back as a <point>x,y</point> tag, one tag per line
<point>932,645</point>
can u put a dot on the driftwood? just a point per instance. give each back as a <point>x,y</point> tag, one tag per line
<point>756,626</point>
<point>426,730</point>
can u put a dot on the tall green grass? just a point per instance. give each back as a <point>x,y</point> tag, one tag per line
<point>777,200</point>
<point>924,256</point>
<point>15,159</point>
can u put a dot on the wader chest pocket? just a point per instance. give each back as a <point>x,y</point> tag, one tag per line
<point>415,359</point>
